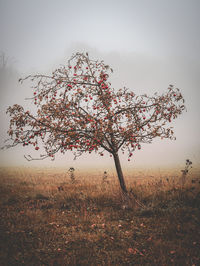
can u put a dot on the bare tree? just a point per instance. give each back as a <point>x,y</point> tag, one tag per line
<point>3,60</point>
<point>8,72</point>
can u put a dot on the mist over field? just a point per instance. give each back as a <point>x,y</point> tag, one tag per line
<point>149,45</point>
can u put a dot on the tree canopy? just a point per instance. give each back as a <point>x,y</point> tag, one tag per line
<point>78,110</point>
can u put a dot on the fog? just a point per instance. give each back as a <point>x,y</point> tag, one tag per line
<point>149,45</point>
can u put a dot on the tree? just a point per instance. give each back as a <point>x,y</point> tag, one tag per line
<point>8,72</point>
<point>78,110</point>
<point>6,64</point>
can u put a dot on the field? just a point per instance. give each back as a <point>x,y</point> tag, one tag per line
<point>46,219</point>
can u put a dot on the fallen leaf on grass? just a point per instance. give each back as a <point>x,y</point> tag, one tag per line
<point>93,225</point>
<point>142,225</point>
<point>135,251</point>
<point>132,251</point>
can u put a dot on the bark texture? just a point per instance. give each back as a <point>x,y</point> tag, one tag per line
<point>119,172</point>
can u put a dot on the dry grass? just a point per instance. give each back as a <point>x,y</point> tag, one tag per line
<point>84,223</point>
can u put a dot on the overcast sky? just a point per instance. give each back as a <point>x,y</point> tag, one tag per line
<point>149,44</point>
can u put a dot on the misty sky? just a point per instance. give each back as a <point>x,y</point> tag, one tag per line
<point>149,44</point>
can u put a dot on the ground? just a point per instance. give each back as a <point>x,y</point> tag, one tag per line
<point>48,219</point>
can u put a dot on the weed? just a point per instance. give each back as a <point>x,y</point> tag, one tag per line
<point>188,166</point>
<point>72,175</point>
<point>105,178</point>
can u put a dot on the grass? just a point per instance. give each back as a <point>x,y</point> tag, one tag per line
<point>84,223</point>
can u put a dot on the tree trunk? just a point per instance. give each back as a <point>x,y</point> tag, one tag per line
<point>119,172</point>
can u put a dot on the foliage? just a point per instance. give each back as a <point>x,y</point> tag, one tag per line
<point>78,110</point>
